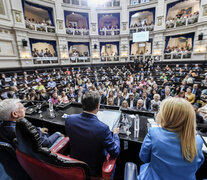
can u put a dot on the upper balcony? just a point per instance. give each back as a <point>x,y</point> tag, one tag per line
<point>83,3</point>
<point>182,13</point>
<point>109,4</point>
<point>43,52</point>
<point>86,3</point>
<point>44,22</point>
<point>109,24</point>
<point>77,23</point>
<point>139,2</point>
<point>142,20</point>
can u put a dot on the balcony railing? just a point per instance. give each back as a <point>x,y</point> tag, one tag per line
<point>76,2</point>
<point>77,32</point>
<point>45,60</point>
<point>109,32</point>
<point>145,57</point>
<point>140,29</point>
<point>79,59</point>
<point>181,22</point>
<point>112,3</point>
<point>40,27</point>
<point>109,58</point>
<point>136,2</point>
<point>178,55</point>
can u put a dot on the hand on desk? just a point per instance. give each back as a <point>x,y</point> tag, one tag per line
<point>44,130</point>
<point>116,130</point>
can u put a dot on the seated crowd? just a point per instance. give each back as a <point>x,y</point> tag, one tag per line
<point>125,87</point>
<point>182,19</point>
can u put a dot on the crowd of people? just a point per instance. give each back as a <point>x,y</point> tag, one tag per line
<point>109,30</point>
<point>127,87</point>
<point>178,51</point>
<point>44,25</point>
<point>141,24</point>
<point>181,19</point>
<point>76,53</point>
<point>124,87</point>
<point>43,53</point>
<point>72,29</point>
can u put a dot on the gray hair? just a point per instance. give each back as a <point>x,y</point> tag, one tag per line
<point>156,95</point>
<point>141,101</point>
<point>8,106</point>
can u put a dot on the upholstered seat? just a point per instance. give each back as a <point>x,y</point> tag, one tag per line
<point>43,163</point>
<point>9,166</point>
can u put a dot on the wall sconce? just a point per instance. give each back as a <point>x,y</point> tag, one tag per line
<point>96,55</point>
<point>157,52</point>
<point>64,56</point>
<point>25,55</point>
<point>124,54</point>
<point>200,49</point>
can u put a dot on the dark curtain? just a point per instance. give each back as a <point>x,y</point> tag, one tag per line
<point>170,5</point>
<point>152,10</point>
<point>130,45</point>
<point>34,41</point>
<point>190,35</point>
<point>116,15</point>
<point>66,13</point>
<point>116,43</point>
<point>79,43</point>
<point>48,9</point>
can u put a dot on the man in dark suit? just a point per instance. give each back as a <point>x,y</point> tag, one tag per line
<point>89,137</point>
<point>10,111</point>
<point>119,99</point>
<point>140,104</point>
<point>103,97</point>
<point>196,91</point>
<point>132,102</point>
<point>146,101</point>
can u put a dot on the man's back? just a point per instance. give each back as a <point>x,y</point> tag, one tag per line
<point>7,131</point>
<point>89,138</point>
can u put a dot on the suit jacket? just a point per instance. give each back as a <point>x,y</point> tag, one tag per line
<point>103,99</point>
<point>89,138</point>
<point>161,153</point>
<point>148,103</point>
<point>197,93</point>
<point>134,102</point>
<point>116,101</point>
<point>7,134</point>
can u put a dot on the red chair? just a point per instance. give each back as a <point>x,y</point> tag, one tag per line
<point>42,164</point>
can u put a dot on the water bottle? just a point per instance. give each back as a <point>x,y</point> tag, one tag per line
<point>50,105</point>
<point>51,109</point>
<point>136,126</point>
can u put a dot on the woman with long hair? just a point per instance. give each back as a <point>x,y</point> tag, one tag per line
<point>172,151</point>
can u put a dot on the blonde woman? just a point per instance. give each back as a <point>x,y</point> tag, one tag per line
<point>172,151</point>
